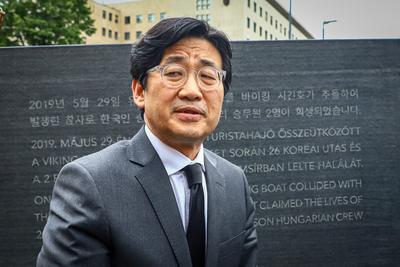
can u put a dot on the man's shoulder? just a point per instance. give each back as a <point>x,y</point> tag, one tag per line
<point>116,152</point>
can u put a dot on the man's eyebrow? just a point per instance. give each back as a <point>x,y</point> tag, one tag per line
<point>206,62</point>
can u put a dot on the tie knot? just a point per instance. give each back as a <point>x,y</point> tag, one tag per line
<point>193,174</point>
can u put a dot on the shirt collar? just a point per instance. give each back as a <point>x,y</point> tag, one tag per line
<point>172,159</point>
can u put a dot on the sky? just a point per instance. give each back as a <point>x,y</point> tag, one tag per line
<point>356,19</point>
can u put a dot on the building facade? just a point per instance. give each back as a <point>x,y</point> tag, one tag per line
<point>126,21</point>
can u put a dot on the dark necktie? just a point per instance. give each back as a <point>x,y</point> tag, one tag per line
<point>196,228</point>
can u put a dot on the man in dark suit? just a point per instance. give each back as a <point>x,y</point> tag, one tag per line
<point>159,199</point>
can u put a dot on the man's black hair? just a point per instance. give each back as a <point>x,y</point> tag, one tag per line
<point>148,52</point>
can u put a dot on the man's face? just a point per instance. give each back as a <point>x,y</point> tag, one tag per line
<point>184,116</point>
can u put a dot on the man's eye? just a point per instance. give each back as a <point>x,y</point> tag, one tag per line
<point>173,74</point>
<point>208,76</point>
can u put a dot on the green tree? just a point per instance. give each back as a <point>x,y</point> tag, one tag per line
<point>45,22</point>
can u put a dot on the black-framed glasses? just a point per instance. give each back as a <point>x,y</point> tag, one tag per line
<point>174,76</point>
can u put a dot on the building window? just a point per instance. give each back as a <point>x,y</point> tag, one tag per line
<point>208,4</point>
<point>127,20</point>
<point>127,35</point>
<point>110,33</point>
<point>116,35</point>
<point>266,16</point>
<point>139,18</point>
<point>266,35</point>
<point>204,17</point>
<point>261,12</point>
<point>280,27</point>
<point>271,19</point>
<point>261,31</point>
<point>163,15</point>
<point>254,27</point>
<point>103,31</point>
<point>270,36</point>
<point>276,24</point>
<point>203,4</point>
<point>104,14</point>
<point>151,17</point>
<point>284,31</point>
<point>110,16</point>
<point>116,18</point>
<point>255,7</point>
<point>248,23</point>
<point>138,34</point>
<point>248,3</point>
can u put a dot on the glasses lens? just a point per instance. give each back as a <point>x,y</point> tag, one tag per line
<point>174,75</point>
<point>209,78</point>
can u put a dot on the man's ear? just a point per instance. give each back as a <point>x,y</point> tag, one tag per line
<point>138,94</point>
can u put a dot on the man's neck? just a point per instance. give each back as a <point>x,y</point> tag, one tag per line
<point>190,151</point>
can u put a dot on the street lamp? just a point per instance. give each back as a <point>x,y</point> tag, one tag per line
<point>290,19</point>
<point>323,26</point>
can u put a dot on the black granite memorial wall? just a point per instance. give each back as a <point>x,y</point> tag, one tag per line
<point>314,125</point>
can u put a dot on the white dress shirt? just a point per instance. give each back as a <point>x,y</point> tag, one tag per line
<point>174,161</point>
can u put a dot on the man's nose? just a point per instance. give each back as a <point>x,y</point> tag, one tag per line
<point>191,89</point>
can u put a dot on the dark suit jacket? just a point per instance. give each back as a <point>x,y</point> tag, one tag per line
<point>116,207</point>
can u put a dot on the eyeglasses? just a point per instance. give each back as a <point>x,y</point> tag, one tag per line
<point>174,76</point>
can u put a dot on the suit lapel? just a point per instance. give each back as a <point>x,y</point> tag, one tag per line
<point>216,196</point>
<point>155,182</point>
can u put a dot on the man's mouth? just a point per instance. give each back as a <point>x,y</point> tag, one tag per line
<point>189,113</point>
<point>190,110</point>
